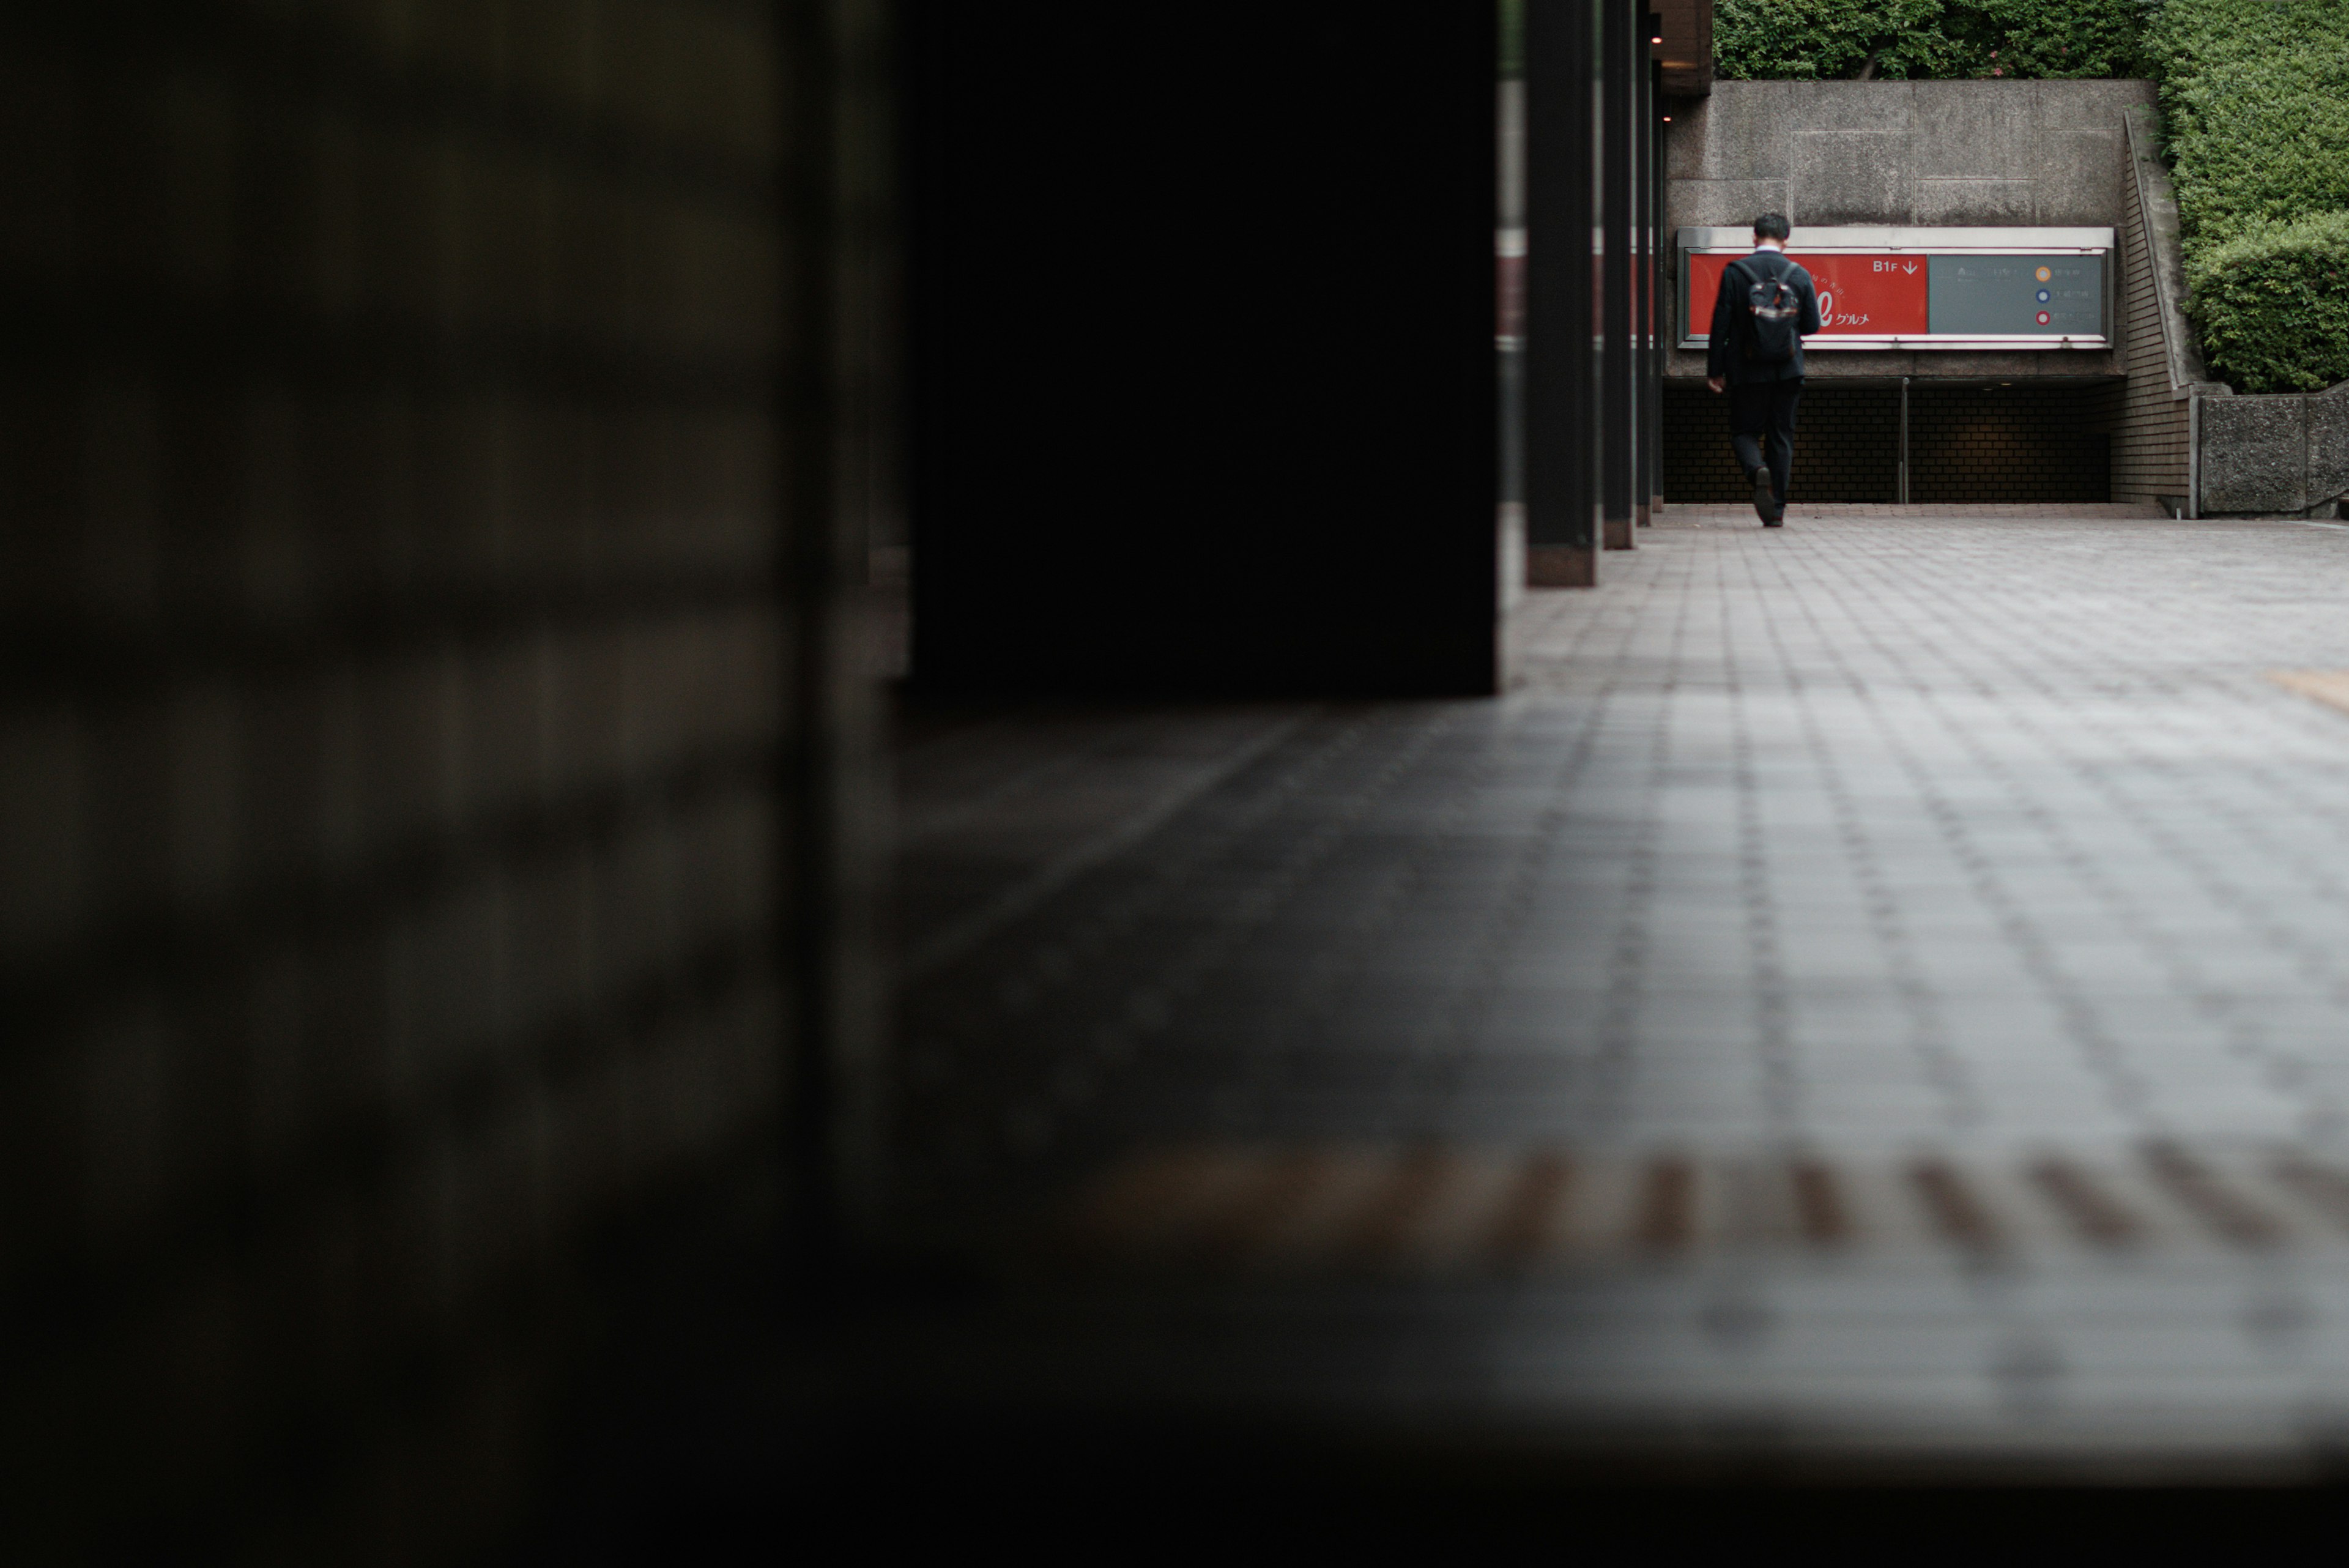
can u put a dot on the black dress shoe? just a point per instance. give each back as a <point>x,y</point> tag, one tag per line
<point>1765,498</point>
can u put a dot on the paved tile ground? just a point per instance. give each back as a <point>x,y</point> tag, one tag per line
<point>1680,515</point>
<point>1885,979</point>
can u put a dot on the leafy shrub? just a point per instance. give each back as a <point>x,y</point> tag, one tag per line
<point>2049,38</point>
<point>2272,304</point>
<point>1826,39</point>
<point>2255,106</point>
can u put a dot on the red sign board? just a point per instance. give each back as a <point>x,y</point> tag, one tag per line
<point>1867,295</point>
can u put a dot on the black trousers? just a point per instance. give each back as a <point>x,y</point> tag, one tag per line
<point>1761,420</point>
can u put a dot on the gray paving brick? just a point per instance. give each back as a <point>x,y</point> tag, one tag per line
<point>1978,840</point>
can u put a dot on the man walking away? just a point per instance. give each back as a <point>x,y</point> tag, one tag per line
<point>1767,308</point>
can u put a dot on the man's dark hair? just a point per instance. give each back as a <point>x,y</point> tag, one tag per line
<point>1773,226</point>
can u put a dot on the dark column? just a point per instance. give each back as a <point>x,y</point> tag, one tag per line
<point>1204,391</point>
<point>1509,268</point>
<point>1900,494</point>
<point>1644,269</point>
<point>1562,536</point>
<point>1651,142</point>
<point>1594,434</point>
<point>431,869</point>
<point>1618,372</point>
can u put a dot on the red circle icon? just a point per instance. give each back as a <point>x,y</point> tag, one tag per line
<point>2043,319</point>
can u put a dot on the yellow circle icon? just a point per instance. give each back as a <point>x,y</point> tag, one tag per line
<point>2044,274</point>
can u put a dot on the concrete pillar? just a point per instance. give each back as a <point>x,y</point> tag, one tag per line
<point>1659,251</point>
<point>1561,401</point>
<point>1644,319</point>
<point>1618,199</point>
<point>1203,394</point>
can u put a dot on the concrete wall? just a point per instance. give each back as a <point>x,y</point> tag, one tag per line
<point>425,529</point>
<point>2276,454</point>
<point>1948,153</point>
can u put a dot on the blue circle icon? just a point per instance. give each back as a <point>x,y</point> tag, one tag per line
<point>2043,296</point>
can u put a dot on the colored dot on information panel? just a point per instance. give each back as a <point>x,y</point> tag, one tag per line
<point>2043,296</point>
<point>2043,318</point>
<point>2044,274</point>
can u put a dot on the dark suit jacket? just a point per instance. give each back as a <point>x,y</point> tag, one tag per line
<point>1732,321</point>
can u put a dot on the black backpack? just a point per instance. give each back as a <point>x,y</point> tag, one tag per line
<point>1776,309</point>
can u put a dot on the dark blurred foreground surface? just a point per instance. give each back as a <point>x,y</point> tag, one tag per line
<point>1809,1035</point>
<point>1846,1051</point>
<point>442,451</point>
<point>436,451</point>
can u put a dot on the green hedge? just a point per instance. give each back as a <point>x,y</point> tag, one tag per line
<point>2272,304</point>
<point>2255,107</point>
<point>1827,40</point>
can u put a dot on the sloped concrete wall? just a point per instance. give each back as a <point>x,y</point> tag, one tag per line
<point>1996,154</point>
<point>2154,429</point>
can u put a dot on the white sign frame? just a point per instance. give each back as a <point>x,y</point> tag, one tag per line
<point>1871,240</point>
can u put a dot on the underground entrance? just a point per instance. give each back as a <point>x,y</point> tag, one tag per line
<point>1966,442</point>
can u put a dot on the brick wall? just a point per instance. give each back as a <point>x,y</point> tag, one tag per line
<point>2150,425</point>
<point>1846,442</point>
<point>1966,444</point>
<point>421,570</point>
<point>2009,444</point>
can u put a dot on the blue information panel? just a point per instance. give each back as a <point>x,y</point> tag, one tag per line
<point>2016,296</point>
